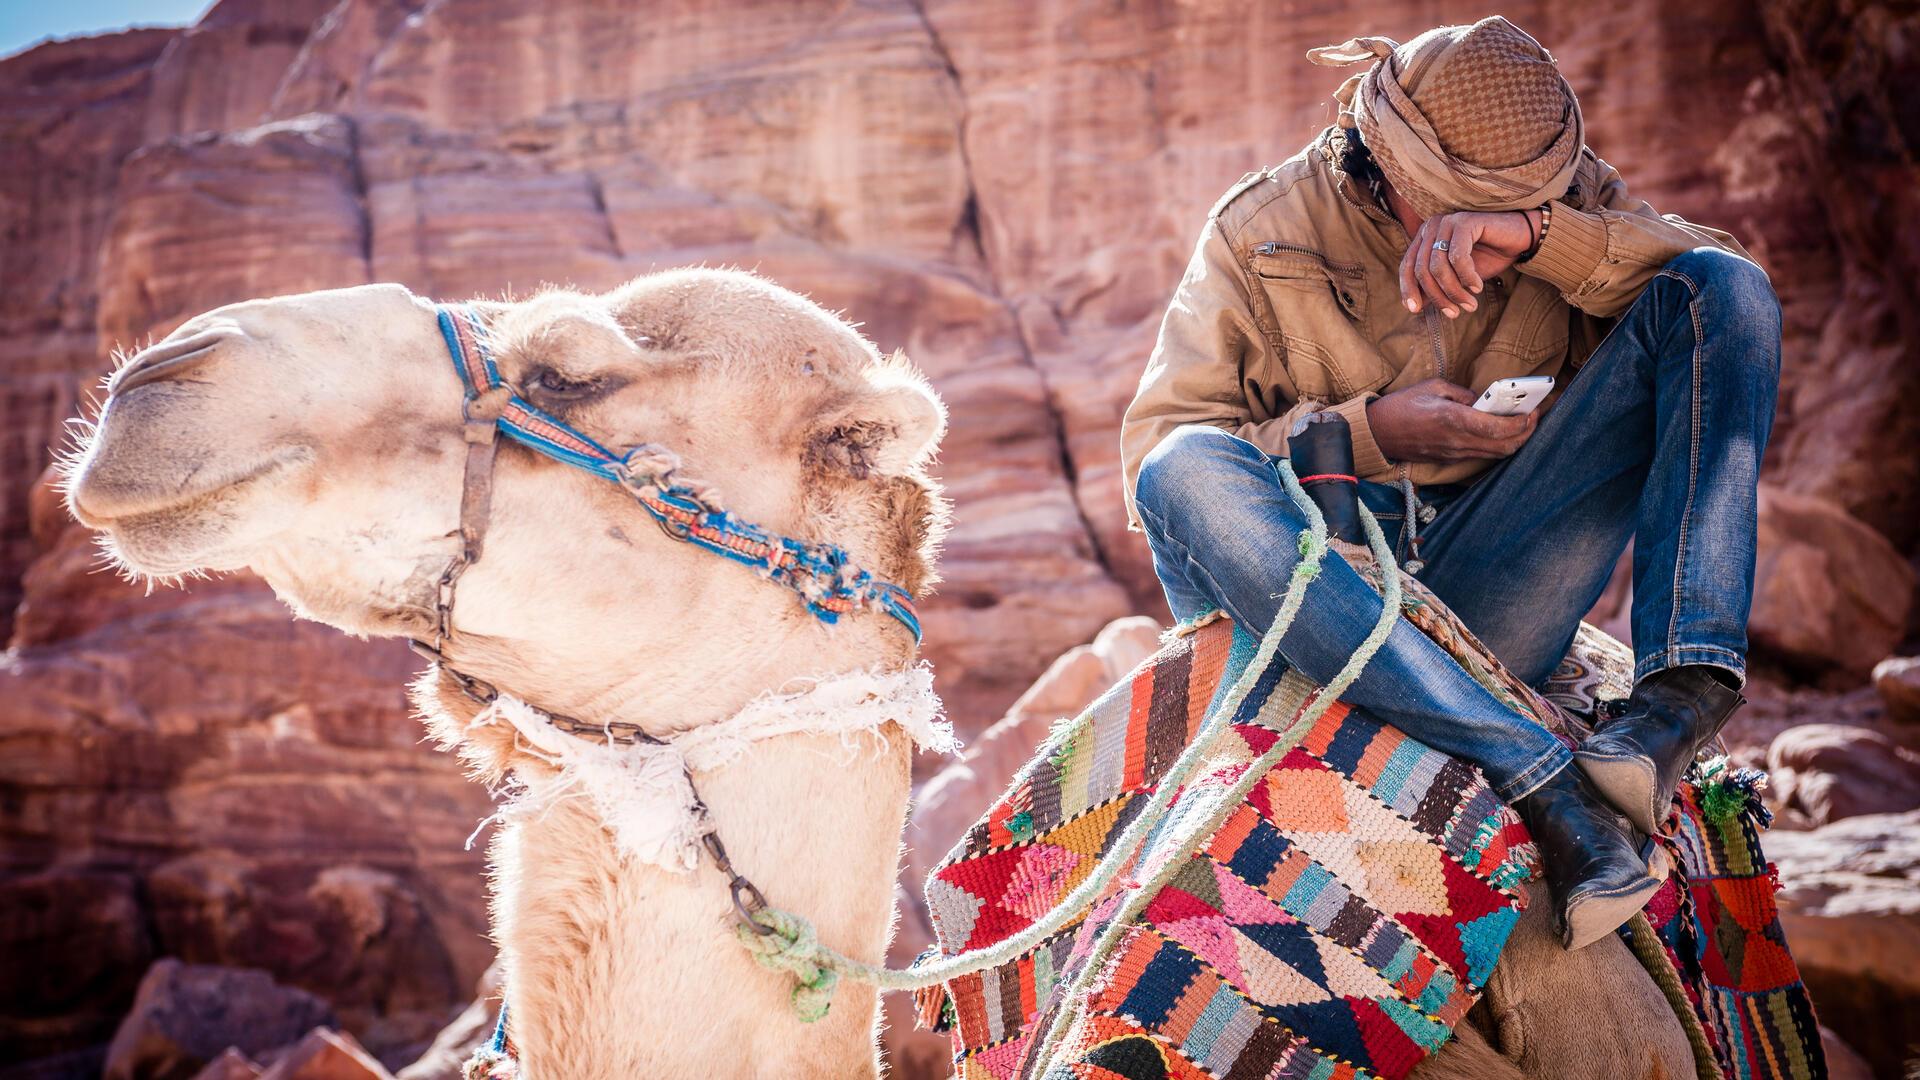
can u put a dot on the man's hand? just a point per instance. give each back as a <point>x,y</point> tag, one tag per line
<point>1434,421</point>
<point>1478,247</point>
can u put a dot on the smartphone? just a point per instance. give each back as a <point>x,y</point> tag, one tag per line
<point>1515,397</point>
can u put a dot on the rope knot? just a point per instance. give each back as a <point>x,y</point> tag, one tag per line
<point>1311,552</point>
<point>792,947</point>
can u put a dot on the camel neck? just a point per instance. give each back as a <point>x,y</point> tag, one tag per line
<point>620,968</point>
<point>644,790</point>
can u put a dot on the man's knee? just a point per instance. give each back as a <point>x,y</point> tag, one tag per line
<point>1192,465</point>
<point>1738,303</point>
<point>1739,288</point>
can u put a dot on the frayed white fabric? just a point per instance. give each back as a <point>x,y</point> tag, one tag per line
<point>640,791</point>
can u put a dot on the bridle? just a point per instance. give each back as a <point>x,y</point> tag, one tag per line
<point>823,575</point>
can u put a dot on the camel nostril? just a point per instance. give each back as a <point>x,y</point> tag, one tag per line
<point>166,359</point>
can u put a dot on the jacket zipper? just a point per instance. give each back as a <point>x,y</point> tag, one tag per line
<point>1275,247</point>
<point>1439,343</point>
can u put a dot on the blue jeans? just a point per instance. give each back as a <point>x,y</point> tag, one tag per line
<point>1657,439</point>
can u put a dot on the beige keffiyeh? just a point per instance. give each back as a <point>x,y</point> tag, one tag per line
<point>1463,117</point>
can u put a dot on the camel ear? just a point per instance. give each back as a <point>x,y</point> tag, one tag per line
<point>891,426</point>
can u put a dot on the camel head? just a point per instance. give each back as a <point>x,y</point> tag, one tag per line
<point>317,440</point>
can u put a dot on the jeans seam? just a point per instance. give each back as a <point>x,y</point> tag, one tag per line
<point>1693,464</point>
<point>1666,658</point>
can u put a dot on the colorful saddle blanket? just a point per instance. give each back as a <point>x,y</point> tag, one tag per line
<point>1338,922</point>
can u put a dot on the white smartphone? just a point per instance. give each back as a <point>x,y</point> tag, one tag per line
<point>1515,397</point>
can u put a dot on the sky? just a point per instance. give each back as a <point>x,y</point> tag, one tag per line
<point>28,22</point>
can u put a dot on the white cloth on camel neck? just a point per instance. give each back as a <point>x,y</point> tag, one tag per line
<point>640,790</point>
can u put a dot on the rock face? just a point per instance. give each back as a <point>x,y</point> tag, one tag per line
<point>1006,193</point>
<point>1851,909</point>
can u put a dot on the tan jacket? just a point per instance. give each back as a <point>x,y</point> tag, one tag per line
<point>1292,304</point>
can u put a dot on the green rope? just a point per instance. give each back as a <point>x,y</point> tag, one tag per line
<point>1653,956</point>
<point>794,947</point>
<point>1208,822</point>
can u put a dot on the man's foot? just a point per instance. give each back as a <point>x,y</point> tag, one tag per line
<point>1596,872</point>
<point>1637,759</point>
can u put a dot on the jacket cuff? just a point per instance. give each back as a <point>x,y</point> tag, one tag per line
<point>1368,461</point>
<point>1574,245</point>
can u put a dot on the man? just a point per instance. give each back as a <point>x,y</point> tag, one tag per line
<point>1453,229</point>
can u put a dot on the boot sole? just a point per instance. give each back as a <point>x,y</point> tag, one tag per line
<point>1625,782</point>
<point>1592,916</point>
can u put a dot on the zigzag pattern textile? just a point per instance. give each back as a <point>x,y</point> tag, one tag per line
<point>1338,924</point>
<point>1344,917</point>
<point>1721,927</point>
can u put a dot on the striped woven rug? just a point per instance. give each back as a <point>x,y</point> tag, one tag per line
<point>1337,924</point>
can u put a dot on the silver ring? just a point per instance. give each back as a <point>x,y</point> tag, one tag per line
<point>1439,245</point>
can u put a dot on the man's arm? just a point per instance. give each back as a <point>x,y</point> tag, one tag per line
<point>1601,258</point>
<point>1194,374</point>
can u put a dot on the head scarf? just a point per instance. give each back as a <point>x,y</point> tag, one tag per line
<point>1463,117</point>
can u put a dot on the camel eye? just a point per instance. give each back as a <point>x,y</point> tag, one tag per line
<point>558,385</point>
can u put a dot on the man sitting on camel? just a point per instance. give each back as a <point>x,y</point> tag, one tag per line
<point>1451,230</point>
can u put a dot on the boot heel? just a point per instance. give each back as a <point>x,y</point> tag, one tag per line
<point>1593,915</point>
<point>1628,785</point>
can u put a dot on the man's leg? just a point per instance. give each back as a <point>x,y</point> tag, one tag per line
<point>1226,535</point>
<point>1658,438</point>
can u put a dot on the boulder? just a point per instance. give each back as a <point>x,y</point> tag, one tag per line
<point>1827,772</point>
<point>1850,907</point>
<point>185,1015</point>
<point>1897,678</point>
<point>326,1054</point>
<point>230,1065</point>
<point>1122,644</point>
<point>1829,592</point>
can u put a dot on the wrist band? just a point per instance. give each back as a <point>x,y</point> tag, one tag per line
<point>1546,222</point>
<point>1342,477</point>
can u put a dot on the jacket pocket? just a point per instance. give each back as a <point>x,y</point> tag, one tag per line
<point>1280,265</point>
<point>1320,321</point>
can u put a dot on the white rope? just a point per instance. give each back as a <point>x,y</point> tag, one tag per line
<point>640,791</point>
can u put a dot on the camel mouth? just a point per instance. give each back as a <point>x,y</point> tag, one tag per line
<point>133,510</point>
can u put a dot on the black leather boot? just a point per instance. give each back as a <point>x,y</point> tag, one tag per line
<point>1636,759</point>
<point>1596,865</point>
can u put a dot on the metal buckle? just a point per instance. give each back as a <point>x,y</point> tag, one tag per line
<point>751,905</point>
<point>748,900</point>
<point>675,530</point>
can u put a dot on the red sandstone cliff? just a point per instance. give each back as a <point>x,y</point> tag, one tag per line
<point>1007,191</point>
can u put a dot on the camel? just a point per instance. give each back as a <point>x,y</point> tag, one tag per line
<point>318,440</point>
